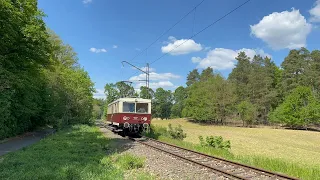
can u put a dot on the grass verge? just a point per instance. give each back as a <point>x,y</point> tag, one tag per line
<point>276,165</point>
<point>74,153</point>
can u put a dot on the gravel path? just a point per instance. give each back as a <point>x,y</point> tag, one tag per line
<point>160,164</point>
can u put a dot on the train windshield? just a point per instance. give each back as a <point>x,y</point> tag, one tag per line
<point>142,107</point>
<point>128,107</point>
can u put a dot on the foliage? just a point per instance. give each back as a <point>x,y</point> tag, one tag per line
<point>299,109</point>
<point>127,161</point>
<point>146,93</point>
<point>179,96</point>
<point>240,77</point>
<point>176,133</point>
<point>162,103</point>
<point>98,107</point>
<point>170,132</point>
<point>41,81</point>
<point>156,131</point>
<point>210,99</point>
<point>215,142</point>
<point>193,77</point>
<point>247,112</point>
<point>124,89</point>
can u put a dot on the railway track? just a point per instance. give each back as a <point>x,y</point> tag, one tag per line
<point>225,168</point>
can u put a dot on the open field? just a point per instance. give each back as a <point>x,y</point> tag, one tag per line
<point>301,147</point>
<point>75,153</point>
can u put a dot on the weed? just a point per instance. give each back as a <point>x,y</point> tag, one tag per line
<point>176,133</point>
<point>215,142</point>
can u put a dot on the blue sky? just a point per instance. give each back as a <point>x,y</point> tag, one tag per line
<point>104,33</point>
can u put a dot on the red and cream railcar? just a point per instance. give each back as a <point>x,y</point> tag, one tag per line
<point>132,115</point>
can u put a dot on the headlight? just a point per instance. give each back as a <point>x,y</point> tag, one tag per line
<point>144,118</point>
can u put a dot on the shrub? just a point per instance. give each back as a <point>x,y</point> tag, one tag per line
<point>215,142</point>
<point>156,131</point>
<point>176,133</point>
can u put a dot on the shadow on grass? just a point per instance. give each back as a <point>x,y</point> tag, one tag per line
<point>76,153</point>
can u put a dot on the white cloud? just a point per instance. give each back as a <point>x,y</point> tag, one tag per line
<point>315,12</point>
<point>221,58</point>
<point>114,46</point>
<point>95,50</point>
<point>155,76</point>
<point>156,80</point>
<point>99,94</point>
<point>287,29</point>
<point>150,69</point>
<point>178,47</point>
<point>86,1</point>
<point>145,69</point>
<point>155,85</point>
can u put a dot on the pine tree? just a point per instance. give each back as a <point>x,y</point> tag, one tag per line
<point>193,77</point>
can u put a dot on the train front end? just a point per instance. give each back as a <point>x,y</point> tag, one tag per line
<point>131,115</point>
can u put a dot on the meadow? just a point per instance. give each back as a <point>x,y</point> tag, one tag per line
<point>291,152</point>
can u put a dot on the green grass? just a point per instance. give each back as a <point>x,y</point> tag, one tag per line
<point>75,153</point>
<point>272,164</point>
<point>127,161</point>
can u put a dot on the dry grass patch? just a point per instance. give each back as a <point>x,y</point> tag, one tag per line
<point>301,147</point>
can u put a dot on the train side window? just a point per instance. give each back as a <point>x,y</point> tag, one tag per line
<point>128,107</point>
<point>142,107</point>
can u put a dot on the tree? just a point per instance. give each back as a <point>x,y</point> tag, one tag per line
<point>247,112</point>
<point>193,77</point>
<point>41,80</point>
<point>225,98</point>
<point>162,103</point>
<point>262,85</point>
<point>124,90</point>
<point>179,96</point>
<point>24,52</point>
<point>209,100</point>
<point>146,93</point>
<point>294,67</point>
<point>206,74</point>
<point>111,93</point>
<point>98,107</point>
<point>299,109</point>
<point>240,76</point>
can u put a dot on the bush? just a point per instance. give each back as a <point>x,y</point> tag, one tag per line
<point>215,142</point>
<point>173,133</point>
<point>156,131</point>
<point>176,133</point>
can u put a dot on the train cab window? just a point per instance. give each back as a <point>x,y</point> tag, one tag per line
<point>128,107</point>
<point>142,107</point>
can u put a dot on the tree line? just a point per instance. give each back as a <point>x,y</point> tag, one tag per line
<point>257,91</point>
<point>42,82</point>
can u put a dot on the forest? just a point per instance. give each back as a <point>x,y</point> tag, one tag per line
<point>41,81</point>
<point>257,91</point>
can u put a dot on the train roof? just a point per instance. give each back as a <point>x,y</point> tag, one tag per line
<point>141,100</point>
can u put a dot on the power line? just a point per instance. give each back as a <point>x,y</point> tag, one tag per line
<point>216,21</point>
<point>167,31</point>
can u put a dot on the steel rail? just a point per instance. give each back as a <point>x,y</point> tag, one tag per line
<point>259,171</point>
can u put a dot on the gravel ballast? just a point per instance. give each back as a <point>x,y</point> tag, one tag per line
<point>160,164</point>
